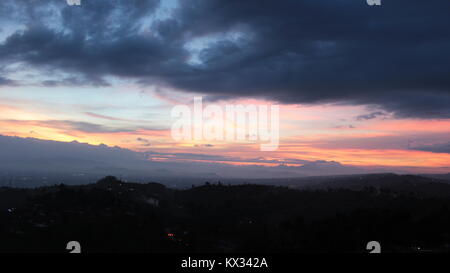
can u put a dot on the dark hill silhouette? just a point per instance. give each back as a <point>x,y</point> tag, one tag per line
<point>409,184</point>
<point>413,184</point>
<point>115,216</point>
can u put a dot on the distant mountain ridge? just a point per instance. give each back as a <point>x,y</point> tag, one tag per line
<point>413,184</point>
<point>31,162</point>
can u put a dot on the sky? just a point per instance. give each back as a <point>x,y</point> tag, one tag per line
<point>360,88</point>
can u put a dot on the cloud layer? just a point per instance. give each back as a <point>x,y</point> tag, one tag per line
<point>24,155</point>
<point>295,51</point>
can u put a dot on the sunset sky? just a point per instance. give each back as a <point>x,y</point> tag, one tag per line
<point>358,86</point>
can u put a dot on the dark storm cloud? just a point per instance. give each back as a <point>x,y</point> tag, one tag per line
<point>5,81</point>
<point>79,126</point>
<point>369,116</point>
<point>144,142</point>
<point>435,148</point>
<point>86,127</point>
<point>295,51</point>
<point>74,82</point>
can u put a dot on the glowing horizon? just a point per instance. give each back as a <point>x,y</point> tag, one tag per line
<point>340,133</point>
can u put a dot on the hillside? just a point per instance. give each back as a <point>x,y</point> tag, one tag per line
<point>114,216</point>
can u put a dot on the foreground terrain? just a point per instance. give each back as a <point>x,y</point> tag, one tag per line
<point>114,216</point>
